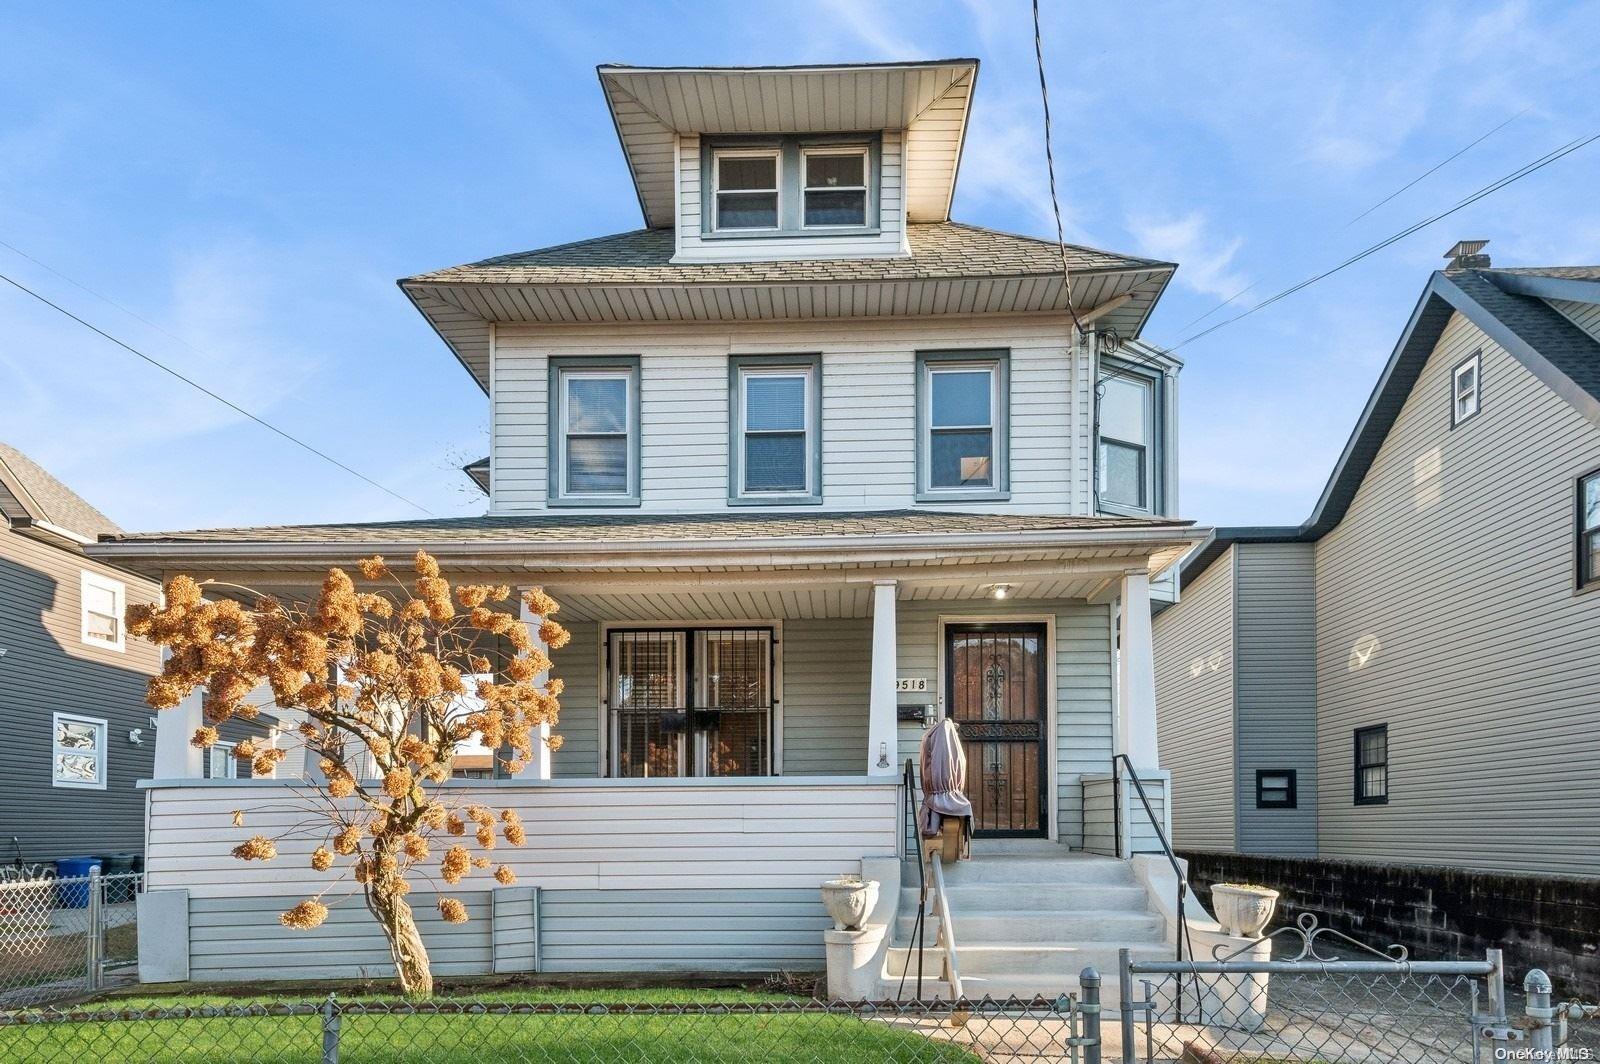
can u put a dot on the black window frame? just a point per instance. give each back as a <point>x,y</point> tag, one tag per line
<point>1361,797</point>
<point>1583,534</point>
<point>1292,791</point>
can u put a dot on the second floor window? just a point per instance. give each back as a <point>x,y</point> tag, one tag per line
<point>1589,530</point>
<point>595,433</point>
<point>1464,389</point>
<point>1131,413</point>
<point>775,446</point>
<point>746,189</point>
<point>1372,765</point>
<point>961,410</point>
<point>104,600</point>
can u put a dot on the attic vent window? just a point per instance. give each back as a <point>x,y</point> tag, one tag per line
<point>836,188</point>
<point>747,190</point>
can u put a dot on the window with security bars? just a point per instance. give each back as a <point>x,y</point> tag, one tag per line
<point>1372,765</point>
<point>691,701</point>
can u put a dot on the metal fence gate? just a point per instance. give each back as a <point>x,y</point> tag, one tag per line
<point>64,938</point>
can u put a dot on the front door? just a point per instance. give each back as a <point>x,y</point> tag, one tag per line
<point>690,701</point>
<point>995,688</point>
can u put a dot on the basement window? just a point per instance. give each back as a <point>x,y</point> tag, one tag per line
<point>1465,385</point>
<point>1372,765</point>
<point>1276,788</point>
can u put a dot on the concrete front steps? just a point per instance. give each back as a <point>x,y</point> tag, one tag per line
<point>1029,916</point>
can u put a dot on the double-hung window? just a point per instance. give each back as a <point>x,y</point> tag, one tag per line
<point>1372,765</point>
<point>594,437</point>
<point>1465,385</point>
<point>962,425</point>
<point>775,446</point>
<point>835,192</point>
<point>746,183</point>
<point>77,752</point>
<point>1589,530</point>
<point>104,601</point>
<point>1129,478</point>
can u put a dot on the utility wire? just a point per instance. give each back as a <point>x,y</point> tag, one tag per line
<point>1492,187</point>
<point>202,388</point>
<point>1050,163</point>
<point>1436,169</point>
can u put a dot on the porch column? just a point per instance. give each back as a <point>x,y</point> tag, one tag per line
<point>537,767</point>
<point>1136,674</point>
<point>176,758</point>
<point>881,726</point>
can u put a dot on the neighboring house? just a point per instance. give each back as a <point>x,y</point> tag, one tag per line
<point>1412,676</point>
<point>806,462</point>
<point>72,684</point>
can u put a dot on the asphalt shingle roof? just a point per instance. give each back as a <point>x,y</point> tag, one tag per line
<point>1567,273</point>
<point>938,250</point>
<point>575,528</point>
<point>50,500</point>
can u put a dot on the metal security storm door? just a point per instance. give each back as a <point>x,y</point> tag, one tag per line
<point>995,686</point>
<point>690,701</point>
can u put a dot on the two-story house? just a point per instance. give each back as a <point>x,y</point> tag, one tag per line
<point>806,463</point>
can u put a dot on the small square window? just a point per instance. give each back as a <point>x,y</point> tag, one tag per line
<point>1465,388</point>
<point>746,190</point>
<point>1276,788</point>
<point>77,752</point>
<point>1372,765</point>
<point>104,601</point>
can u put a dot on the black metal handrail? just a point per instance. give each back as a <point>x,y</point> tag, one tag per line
<point>1155,822</point>
<point>909,785</point>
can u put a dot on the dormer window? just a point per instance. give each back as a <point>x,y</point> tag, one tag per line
<point>836,187</point>
<point>747,189</point>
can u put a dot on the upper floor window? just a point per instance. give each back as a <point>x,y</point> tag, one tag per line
<point>775,443</point>
<point>594,430</point>
<point>1372,765</point>
<point>746,189</point>
<point>962,425</point>
<point>836,187</point>
<point>1589,529</point>
<point>1465,385</point>
<point>77,751</point>
<point>103,600</point>
<point>1131,473</point>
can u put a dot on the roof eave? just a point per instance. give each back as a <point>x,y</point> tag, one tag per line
<point>1569,289</point>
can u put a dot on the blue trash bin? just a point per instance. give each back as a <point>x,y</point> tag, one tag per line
<point>74,894</point>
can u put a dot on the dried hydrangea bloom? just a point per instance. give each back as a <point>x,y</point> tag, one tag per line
<point>504,875</point>
<point>304,916</point>
<point>452,910</point>
<point>256,848</point>
<point>455,864</point>
<point>455,825</point>
<point>415,847</point>
<point>205,737</point>
<point>348,840</point>
<point>397,782</point>
<point>516,834</point>
<point>373,568</point>
<point>322,858</point>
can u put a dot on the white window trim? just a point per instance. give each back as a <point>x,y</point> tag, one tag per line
<point>808,382</point>
<point>120,591</point>
<point>933,369</point>
<point>717,191</point>
<point>222,755</point>
<point>865,188</point>
<point>1149,468</point>
<point>1474,363</point>
<point>100,751</point>
<point>629,428</point>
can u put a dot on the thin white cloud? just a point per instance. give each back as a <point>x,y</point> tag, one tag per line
<point>1205,259</point>
<point>870,24</point>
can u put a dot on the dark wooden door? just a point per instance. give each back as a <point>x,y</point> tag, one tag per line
<point>995,688</point>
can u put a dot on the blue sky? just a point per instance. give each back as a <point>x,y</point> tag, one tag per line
<point>250,179</point>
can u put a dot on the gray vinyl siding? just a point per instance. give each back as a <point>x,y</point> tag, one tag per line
<point>1194,664</point>
<point>1456,560</point>
<point>241,938</point>
<point>578,666</point>
<point>827,665</point>
<point>1585,316</point>
<point>48,669</point>
<point>681,930</point>
<point>1275,692</point>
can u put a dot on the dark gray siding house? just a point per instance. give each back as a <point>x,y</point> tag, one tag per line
<point>78,733</point>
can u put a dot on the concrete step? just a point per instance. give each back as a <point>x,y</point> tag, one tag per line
<point>1063,869</point>
<point>1022,970</point>
<point>1053,927</point>
<point>1007,898</point>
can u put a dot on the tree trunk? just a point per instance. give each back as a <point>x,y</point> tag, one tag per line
<point>405,942</point>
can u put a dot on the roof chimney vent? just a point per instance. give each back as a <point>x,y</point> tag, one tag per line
<point>1467,255</point>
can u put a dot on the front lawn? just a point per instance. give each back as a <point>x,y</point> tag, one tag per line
<point>653,1034</point>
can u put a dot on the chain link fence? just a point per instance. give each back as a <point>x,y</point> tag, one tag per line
<point>458,1032</point>
<point>65,938</point>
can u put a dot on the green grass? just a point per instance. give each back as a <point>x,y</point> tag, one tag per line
<point>479,1039</point>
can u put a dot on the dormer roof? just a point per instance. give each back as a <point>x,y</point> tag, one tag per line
<point>653,106</point>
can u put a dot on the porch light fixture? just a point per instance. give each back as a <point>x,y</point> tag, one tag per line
<point>883,755</point>
<point>999,591</point>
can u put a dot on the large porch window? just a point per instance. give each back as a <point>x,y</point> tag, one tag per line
<point>690,701</point>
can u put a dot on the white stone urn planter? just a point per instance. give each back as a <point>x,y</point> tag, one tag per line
<point>849,900</point>
<point>1242,909</point>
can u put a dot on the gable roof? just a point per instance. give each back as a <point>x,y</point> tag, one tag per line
<point>930,99</point>
<point>1498,301</point>
<point>952,268</point>
<point>30,498</point>
<point>478,472</point>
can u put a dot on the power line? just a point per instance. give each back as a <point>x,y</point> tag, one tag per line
<point>1050,163</point>
<point>1435,169</point>
<point>202,388</point>
<point>1492,187</point>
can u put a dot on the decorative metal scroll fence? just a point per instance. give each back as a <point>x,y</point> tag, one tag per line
<point>63,938</point>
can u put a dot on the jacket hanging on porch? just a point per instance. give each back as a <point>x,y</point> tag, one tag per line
<point>944,781</point>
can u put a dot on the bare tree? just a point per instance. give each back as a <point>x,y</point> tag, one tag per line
<point>389,678</point>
